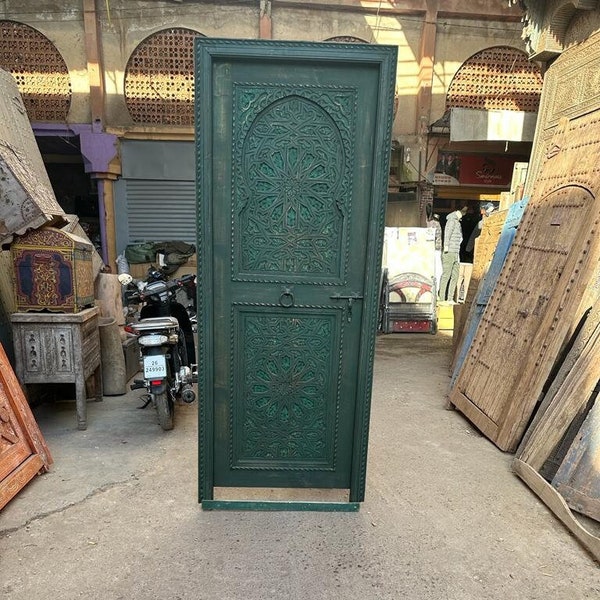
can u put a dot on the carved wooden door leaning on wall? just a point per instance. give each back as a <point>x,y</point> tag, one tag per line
<point>551,274</point>
<point>293,152</point>
<point>23,451</point>
<point>530,312</point>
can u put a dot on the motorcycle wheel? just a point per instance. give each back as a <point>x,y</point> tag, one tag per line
<point>165,409</point>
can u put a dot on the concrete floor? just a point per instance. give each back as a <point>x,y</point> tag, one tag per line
<point>444,517</point>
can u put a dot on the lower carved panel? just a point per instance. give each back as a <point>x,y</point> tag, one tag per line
<point>286,400</point>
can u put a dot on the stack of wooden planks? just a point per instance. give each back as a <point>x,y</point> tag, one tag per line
<point>544,288</point>
<point>551,437</point>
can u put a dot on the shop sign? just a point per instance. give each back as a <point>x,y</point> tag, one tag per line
<point>473,169</point>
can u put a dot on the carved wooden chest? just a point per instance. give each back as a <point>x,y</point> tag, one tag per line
<point>53,271</point>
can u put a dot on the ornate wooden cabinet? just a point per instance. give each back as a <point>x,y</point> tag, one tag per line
<point>59,348</point>
<point>53,271</point>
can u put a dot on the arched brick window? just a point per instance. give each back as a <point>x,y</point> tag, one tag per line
<point>39,69</point>
<point>159,79</point>
<point>498,78</point>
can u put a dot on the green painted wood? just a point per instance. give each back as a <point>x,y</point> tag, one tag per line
<point>281,506</point>
<point>292,159</point>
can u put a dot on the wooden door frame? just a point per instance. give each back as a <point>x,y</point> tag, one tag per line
<point>25,431</point>
<point>207,51</point>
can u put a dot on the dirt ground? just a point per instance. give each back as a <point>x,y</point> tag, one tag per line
<point>444,518</point>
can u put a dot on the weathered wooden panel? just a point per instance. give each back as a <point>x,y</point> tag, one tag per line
<point>578,478</point>
<point>485,246</point>
<point>556,503</point>
<point>7,302</point>
<point>23,451</point>
<point>563,403</point>
<point>587,329</point>
<point>488,283</point>
<point>550,277</point>
<point>566,153</point>
<point>543,290</point>
<point>7,290</point>
<point>27,200</point>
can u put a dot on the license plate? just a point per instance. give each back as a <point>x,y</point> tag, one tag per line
<point>155,366</point>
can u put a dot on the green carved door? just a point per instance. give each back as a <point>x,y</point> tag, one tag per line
<point>293,146</point>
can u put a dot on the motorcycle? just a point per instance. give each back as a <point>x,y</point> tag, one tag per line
<point>165,335</point>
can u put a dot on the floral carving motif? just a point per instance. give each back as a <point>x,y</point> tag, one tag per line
<point>286,386</point>
<point>8,435</point>
<point>293,165</point>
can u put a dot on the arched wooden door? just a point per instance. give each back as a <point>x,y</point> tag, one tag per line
<point>526,307</point>
<point>293,153</point>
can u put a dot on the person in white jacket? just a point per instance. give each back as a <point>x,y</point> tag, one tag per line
<point>453,238</point>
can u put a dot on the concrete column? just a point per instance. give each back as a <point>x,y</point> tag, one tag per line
<point>265,30</point>
<point>106,205</point>
<point>94,61</point>
<point>426,60</point>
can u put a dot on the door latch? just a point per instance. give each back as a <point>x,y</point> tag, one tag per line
<point>349,302</point>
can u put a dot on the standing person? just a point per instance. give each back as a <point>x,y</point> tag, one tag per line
<point>466,268</point>
<point>433,221</point>
<point>485,210</point>
<point>451,257</point>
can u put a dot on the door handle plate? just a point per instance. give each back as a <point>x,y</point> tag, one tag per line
<point>350,300</point>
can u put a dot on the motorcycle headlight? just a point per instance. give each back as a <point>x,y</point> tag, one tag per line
<point>153,340</point>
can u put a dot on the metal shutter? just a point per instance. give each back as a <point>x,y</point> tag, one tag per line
<point>161,210</point>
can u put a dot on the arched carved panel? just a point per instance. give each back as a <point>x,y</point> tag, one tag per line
<point>159,79</point>
<point>546,29</point>
<point>293,211</point>
<point>559,24</point>
<point>39,70</point>
<point>497,78</point>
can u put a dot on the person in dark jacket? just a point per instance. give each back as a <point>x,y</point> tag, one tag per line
<point>453,238</point>
<point>486,210</point>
